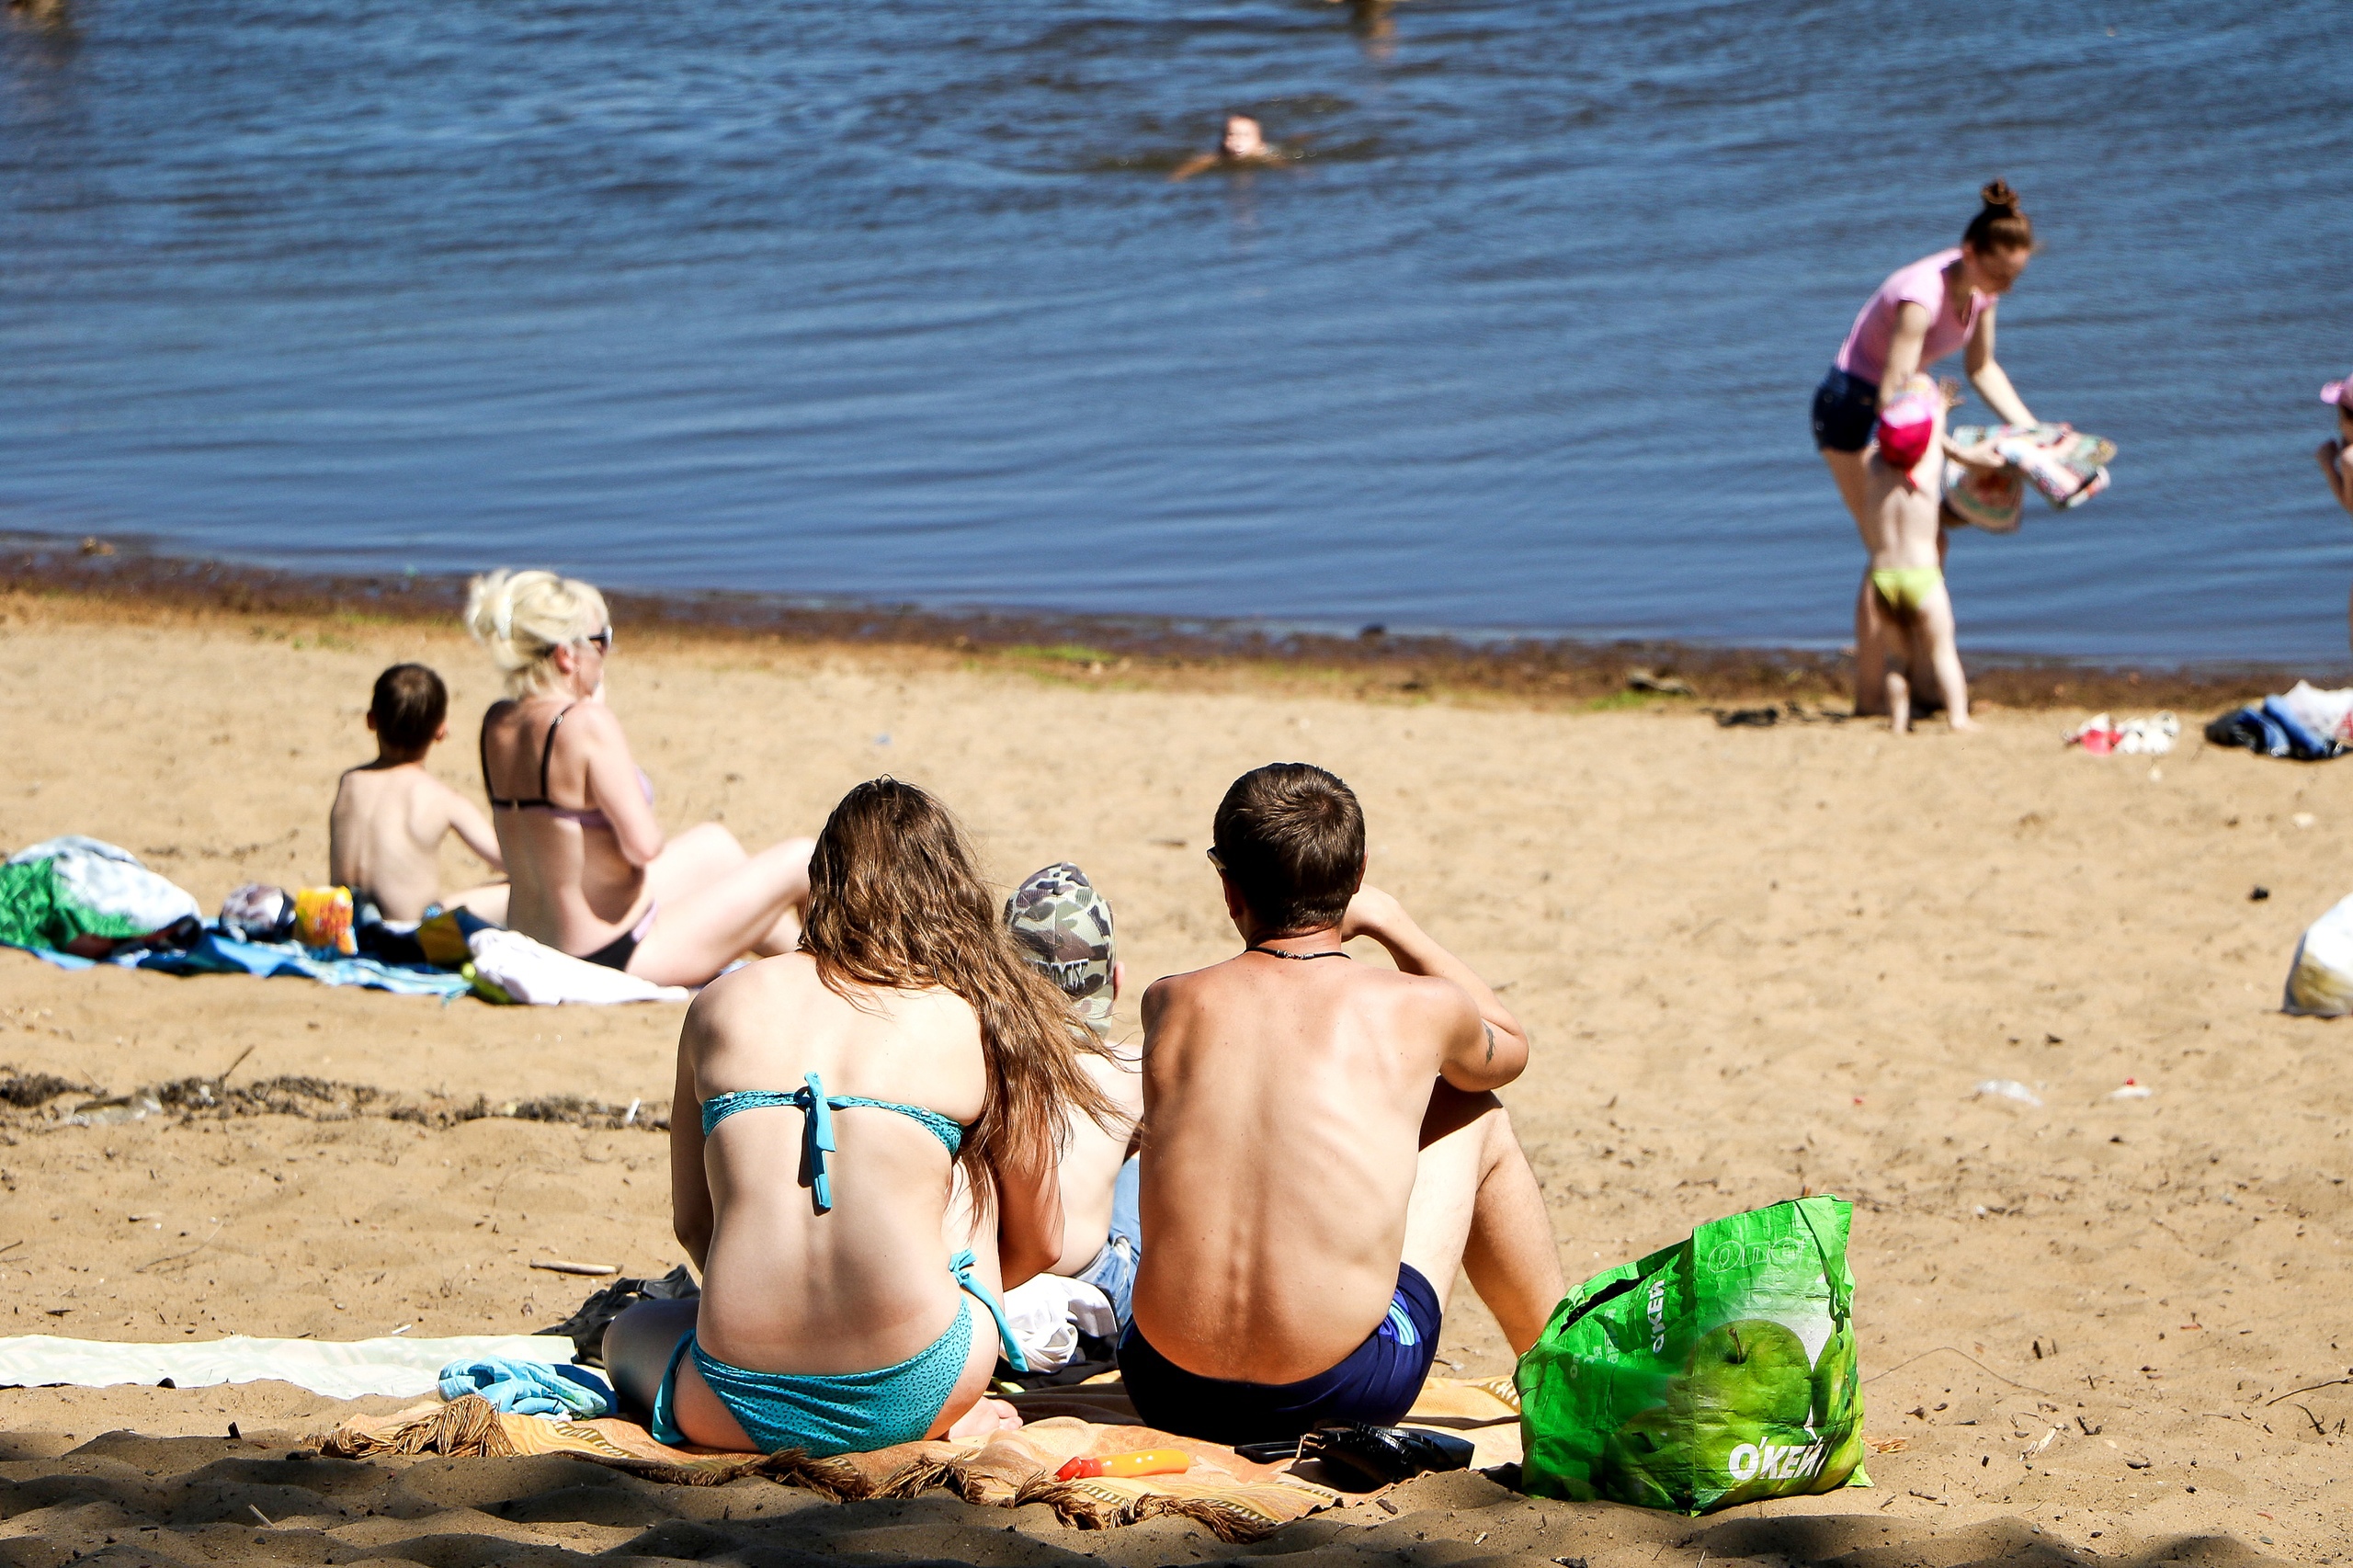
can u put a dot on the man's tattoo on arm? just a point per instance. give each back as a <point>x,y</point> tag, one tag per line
<point>1491,1038</point>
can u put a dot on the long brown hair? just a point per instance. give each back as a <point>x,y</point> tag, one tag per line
<point>894,902</point>
<point>2001,223</point>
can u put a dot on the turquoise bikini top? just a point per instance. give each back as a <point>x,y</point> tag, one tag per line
<point>819,1105</point>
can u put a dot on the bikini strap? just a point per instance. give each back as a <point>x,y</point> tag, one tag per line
<point>819,1107</point>
<point>547,750</point>
<point>963,1267</point>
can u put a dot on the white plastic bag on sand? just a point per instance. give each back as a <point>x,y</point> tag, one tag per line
<point>2320,983</point>
<point>534,972</point>
<point>1046,1312</point>
<point>2325,713</point>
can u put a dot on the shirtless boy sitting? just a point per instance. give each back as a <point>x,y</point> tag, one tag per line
<point>1322,1148</point>
<point>390,816</point>
<point>1902,517</point>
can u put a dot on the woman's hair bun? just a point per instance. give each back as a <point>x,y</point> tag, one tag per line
<point>1999,225</point>
<point>521,618</point>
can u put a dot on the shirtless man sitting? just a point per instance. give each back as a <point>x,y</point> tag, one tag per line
<point>1323,1145</point>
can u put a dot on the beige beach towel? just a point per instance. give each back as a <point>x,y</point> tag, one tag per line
<point>1235,1499</point>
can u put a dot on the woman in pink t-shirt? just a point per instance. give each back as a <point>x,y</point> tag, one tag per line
<point>1920,314</point>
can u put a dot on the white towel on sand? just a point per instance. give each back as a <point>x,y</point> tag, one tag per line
<point>534,972</point>
<point>339,1368</point>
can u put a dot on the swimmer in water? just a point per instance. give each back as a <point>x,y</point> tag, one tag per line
<point>1243,147</point>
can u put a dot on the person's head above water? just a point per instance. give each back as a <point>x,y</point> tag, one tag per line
<point>1244,138</point>
<point>2000,241</point>
<point>1289,840</point>
<point>1063,927</point>
<point>895,902</point>
<point>544,633</point>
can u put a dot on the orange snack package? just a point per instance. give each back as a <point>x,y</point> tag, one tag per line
<point>323,920</point>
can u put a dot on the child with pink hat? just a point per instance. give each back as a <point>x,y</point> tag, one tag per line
<point>2332,453</point>
<point>1904,476</point>
<point>2336,454</point>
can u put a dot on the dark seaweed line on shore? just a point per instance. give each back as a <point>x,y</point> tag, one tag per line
<point>33,1104</point>
<point>1129,648</point>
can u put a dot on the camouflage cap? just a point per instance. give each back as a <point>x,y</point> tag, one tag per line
<point>1063,926</point>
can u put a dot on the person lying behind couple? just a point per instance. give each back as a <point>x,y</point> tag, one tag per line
<point>863,1147</point>
<point>1062,926</point>
<point>1903,480</point>
<point>1322,1148</point>
<point>390,816</point>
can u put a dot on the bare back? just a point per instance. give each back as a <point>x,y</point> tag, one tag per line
<point>1283,1106</point>
<point>384,836</point>
<point>576,888</point>
<point>785,1288</point>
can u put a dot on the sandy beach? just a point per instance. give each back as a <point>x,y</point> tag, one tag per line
<point>1754,961</point>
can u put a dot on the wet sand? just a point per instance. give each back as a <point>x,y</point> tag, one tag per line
<point>1754,961</point>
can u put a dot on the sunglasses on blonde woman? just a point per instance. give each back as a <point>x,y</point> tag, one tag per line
<point>603,640</point>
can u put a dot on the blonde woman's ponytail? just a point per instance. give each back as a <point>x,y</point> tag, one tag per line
<point>522,618</point>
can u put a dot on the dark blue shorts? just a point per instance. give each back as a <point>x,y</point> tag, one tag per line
<point>1377,1383</point>
<point>1845,409</point>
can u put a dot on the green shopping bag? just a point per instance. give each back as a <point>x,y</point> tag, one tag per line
<point>1719,1370</point>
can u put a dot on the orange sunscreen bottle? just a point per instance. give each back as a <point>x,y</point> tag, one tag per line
<point>1152,1461</point>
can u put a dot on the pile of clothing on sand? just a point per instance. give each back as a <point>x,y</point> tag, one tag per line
<point>2304,723</point>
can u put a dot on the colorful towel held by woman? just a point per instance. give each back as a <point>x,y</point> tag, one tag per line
<point>2066,466</point>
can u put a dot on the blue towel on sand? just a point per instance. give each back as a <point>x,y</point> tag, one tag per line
<point>217,954</point>
<point>530,1388</point>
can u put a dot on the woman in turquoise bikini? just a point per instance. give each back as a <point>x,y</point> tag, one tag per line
<point>863,1146</point>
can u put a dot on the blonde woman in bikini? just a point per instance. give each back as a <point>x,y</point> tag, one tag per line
<point>1919,315</point>
<point>592,873</point>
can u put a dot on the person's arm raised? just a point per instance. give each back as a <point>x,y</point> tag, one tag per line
<point>612,784</point>
<point>1986,373</point>
<point>691,1218</point>
<point>2332,466</point>
<point>1490,1048</point>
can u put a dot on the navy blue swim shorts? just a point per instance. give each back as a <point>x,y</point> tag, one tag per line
<point>1377,1383</point>
<point>1845,409</point>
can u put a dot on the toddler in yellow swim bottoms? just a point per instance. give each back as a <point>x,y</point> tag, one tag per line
<point>1906,589</point>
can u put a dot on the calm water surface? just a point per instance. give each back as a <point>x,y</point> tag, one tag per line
<point>896,300</point>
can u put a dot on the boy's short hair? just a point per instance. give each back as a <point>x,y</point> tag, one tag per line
<point>1290,836</point>
<point>408,707</point>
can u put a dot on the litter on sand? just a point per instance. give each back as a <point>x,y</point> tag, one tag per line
<point>2133,1090</point>
<point>2152,736</point>
<point>2008,1089</point>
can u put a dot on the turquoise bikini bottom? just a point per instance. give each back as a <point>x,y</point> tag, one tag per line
<point>839,1413</point>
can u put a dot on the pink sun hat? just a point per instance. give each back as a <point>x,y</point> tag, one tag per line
<point>1905,429</point>
<point>2334,393</point>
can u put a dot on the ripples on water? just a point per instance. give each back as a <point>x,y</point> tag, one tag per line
<point>894,301</point>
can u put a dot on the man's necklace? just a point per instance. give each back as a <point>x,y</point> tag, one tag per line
<point>1297,958</point>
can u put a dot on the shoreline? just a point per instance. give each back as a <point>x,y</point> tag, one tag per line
<point>1171,651</point>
